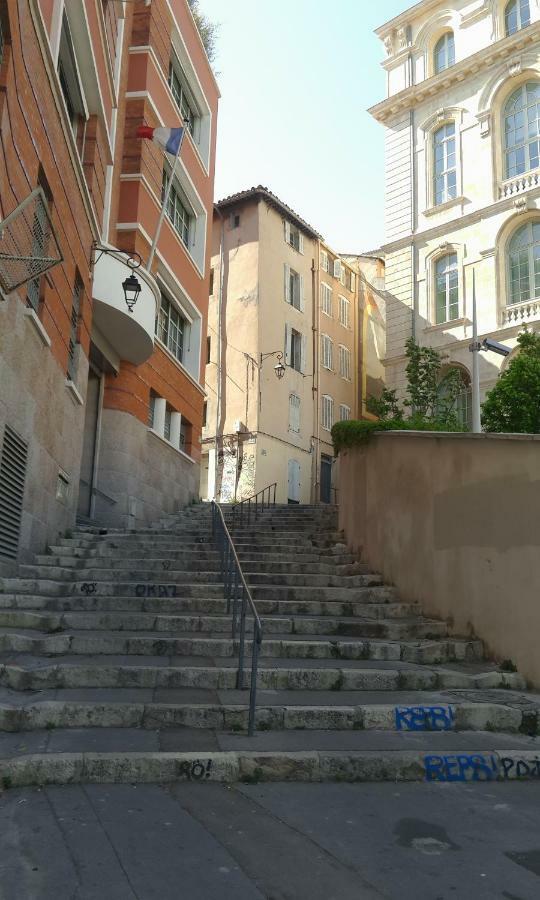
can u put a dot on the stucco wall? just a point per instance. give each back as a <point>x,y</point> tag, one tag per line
<point>37,405</point>
<point>141,476</point>
<point>454,522</point>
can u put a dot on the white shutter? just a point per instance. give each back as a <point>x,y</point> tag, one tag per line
<point>303,355</point>
<point>353,282</point>
<point>302,298</point>
<point>300,242</point>
<point>287,284</point>
<point>337,268</point>
<point>287,345</point>
<point>287,231</point>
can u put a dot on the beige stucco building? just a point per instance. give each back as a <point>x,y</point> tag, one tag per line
<point>462,121</point>
<point>279,298</point>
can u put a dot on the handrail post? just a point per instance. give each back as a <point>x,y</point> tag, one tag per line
<point>235,604</point>
<point>254,672</point>
<point>241,650</point>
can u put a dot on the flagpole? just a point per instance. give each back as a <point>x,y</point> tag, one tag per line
<point>165,202</point>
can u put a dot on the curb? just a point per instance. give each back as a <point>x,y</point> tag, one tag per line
<point>230,767</point>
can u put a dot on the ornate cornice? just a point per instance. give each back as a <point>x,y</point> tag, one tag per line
<point>497,52</point>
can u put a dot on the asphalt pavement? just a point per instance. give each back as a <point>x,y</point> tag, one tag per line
<point>271,841</point>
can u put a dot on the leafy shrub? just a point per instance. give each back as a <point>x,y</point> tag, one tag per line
<point>513,405</point>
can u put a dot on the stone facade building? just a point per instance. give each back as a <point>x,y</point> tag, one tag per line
<point>462,118</point>
<point>101,408</point>
<point>279,297</point>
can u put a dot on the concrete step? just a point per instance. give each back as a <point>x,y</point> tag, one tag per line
<point>380,621</point>
<point>133,756</point>
<point>384,606</point>
<point>51,588</point>
<point>25,672</point>
<point>280,646</point>
<point>228,711</point>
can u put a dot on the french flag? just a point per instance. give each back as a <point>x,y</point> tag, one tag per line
<point>168,138</point>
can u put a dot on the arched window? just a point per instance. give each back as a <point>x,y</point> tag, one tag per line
<point>517,15</point>
<point>444,163</point>
<point>445,52</point>
<point>448,402</point>
<point>524,264</point>
<point>446,289</point>
<point>522,129</point>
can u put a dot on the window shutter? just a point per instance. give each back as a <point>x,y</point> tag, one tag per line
<point>287,283</point>
<point>337,268</point>
<point>287,345</point>
<point>353,282</point>
<point>300,242</point>
<point>287,231</point>
<point>302,298</point>
<point>303,355</point>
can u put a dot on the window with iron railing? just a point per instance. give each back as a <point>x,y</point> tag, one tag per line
<point>75,314</point>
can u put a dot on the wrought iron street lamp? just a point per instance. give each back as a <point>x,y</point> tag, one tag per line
<point>279,369</point>
<point>132,289</point>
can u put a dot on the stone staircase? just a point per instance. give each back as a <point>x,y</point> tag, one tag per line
<point>117,664</point>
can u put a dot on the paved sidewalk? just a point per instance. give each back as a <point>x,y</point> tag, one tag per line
<point>278,842</point>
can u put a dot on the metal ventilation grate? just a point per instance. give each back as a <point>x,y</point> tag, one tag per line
<point>13,462</point>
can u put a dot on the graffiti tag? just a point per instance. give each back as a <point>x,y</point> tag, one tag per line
<point>478,767</point>
<point>155,590</point>
<point>88,588</point>
<point>424,718</point>
<point>197,770</point>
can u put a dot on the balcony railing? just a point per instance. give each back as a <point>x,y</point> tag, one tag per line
<point>518,185</point>
<point>521,312</point>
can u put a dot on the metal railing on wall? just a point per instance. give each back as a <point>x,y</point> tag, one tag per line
<point>239,601</point>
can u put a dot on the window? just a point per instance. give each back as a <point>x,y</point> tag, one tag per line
<point>522,129</point>
<point>344,363</point>
<point>350,282</point>
<point>344,413</point>
<point>327,414</point>
<point>294,236</point>
<point>445,52</point>
<point>326,299</point>
<point>234,221</point>
<point>171,328</point>
<point>327,352</point>
<point>178,211</point>
<point>517,15</point>
<point>68,75</point>
<point>337,268</point>
<point>524,264</point>
<point>344,307</point>
<point>75,313</point>
<point>294,288</point>
<point>444,149</point>
<point>294,413</point>
<point>208,349</point>
<point>462,406</point>
<point>211,282</point>
<point>294,349</point>
<point>151,408</point>
<point>183,97</point>
<point>204,414</point>
<point>324,261</point>
<point>186,430</point>
<point>167,427</point>
<point>446,289</point>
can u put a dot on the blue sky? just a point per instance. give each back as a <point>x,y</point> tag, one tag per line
<point>296,79</point>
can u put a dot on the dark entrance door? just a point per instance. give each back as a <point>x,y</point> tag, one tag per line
<point>326,479</point>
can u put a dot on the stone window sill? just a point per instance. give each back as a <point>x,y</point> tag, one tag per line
<point>164,440</point>
<point>75,396</point>
<point>441,207</point>
<point>445,326</point>
<point>33,317</point>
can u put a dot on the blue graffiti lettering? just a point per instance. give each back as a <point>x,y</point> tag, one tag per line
<point>424,718</point>
<point>461,768</point>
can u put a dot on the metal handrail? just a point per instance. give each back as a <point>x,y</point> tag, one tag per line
<point>237,592</point>
<point>254,503</point>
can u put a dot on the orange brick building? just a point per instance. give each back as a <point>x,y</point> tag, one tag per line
<point>101,408</point>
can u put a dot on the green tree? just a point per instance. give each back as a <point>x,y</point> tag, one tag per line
<point>386,406</point>
<point>208,30</point>
<point>513,405</point>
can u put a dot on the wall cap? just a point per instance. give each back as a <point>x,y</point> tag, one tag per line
<point>455,435</point>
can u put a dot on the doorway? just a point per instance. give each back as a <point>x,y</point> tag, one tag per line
<point>326,479</point>
<point>294,481</point>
